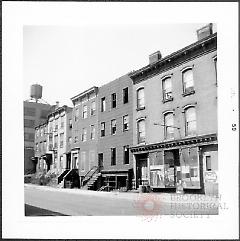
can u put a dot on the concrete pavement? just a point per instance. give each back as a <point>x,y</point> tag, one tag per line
<point>85,202</point>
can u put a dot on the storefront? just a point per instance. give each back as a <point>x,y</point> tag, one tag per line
<point>184,163</point>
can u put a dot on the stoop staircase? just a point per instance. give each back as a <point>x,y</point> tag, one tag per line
<point>91,178</point>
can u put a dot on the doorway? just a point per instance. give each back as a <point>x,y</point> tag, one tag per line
<point>100,160</point>
<point>141,170</point>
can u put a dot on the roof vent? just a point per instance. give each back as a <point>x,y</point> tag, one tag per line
<point>204,31</point>
<point>153,58</point>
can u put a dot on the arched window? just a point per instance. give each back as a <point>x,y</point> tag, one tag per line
<point>167,89</point>
<point>190,117</point>
<point>188,83</point>
<point>168,125</point>
<point>140,98</point>
<point>141,131</point>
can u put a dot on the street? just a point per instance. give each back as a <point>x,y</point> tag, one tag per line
<point>77,202</point>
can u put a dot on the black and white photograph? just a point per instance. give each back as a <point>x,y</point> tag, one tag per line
<point>118,121</point>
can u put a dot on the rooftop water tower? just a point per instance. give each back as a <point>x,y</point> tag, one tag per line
<point>36,92</point>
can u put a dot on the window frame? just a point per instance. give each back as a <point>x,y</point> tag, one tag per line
<point>138,132</point>
<point>170,98</point>
<point>124,155</point>
<point>186,109</point>
<point>84,112</point>
<point>140,107</point>
<point>190,90</point>
<point>114,100</point>
<point>103,104</point>
<point>93,110</point>
<point>103,130</point>
<point>113,157</point>
<point>124,130</point>
<point>125,99</point>
<point>113,128</point>
<point>84,134</point>
<point>166,137</point>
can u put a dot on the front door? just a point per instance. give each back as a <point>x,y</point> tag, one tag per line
<point>142,170</point>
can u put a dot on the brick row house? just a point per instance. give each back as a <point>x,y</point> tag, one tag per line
<point>175,119</point>
<point>156,126</point>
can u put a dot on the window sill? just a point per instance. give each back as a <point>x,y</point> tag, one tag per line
<point>167,100</point>
<point>188,93</point>
<point>140,108</point>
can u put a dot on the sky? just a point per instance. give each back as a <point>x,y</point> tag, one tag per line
<point>67,60</point>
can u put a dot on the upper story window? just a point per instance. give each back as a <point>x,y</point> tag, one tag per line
<point>36,148</point>
<point>62,121</point>
<point>61,140</point>
<point>190,121</point>
<point>93,108</point>
<point>125,95</point>
<point>141,131</point>
<point>125,123</point>
<point>140,98</point>
<point>103,104</point>
<point>188,83</point>
<point>44,146</point>
<point>126,155</point>
<point>113,156</point>
<point>70,123</point>
<point>76,116</point>
<point>50,139</point>
<point>50,127</point>
<point>84,134</point>
<point>113,127</point>
<point>92,132</point>
<point>55,141</point>
<point>102,129</point>
<point>84,112</point>
<point>56,126</point>
<point>167,89</point>
<point>114,100</point>
<point>168,126</point>
<point>36,133</point>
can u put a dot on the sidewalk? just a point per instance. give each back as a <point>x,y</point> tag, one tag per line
<point>165,197</point>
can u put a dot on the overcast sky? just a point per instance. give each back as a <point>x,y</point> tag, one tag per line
<point>66,60</point>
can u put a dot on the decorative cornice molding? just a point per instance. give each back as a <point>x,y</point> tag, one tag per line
<point>175,59</point>
<point>176,143</point>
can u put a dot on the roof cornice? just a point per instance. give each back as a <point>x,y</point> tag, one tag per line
<point>194,50</point>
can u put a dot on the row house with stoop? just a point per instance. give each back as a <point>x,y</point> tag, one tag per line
<point>155,127</point>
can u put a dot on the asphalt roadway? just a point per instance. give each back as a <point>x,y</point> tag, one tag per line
<point>49,201</point>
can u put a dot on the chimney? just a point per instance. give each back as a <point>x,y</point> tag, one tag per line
<point>153,58</point>
<point>204,31</point>
<point>57,105</point>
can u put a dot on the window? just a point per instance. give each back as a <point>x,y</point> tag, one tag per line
<point>190,117</point>
<point>188,84</point>
<point>76,114</point>
<point>125,123</point>
<point>126,155</point>
<point>62,121</point>
<point>61,140</point>
<point>113,127</point>
<point>168,126</point>
<point>114,100</point>
<point>141,131</point>
<point>84,134</point>
<point>102,128</point>
<point>56,126</point>
<point>61,162</point>
<point>103,104</point>
<point>50,127</point>
<point>125,95</point>
<point>41,131</point>
<point>167,89</point>
<point>83,160</point>
<point>36,148</point>
<point>70,123</point>
<point>140,98</point>
<point>92,132</point>
<point>55,141</point>
<point>208,163</point>
<point>93,108</point>
<point>36,133</point>
<point>113,156</point>
<point>50,139</point>
<point>84,113</point>
<point>69,139</point>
